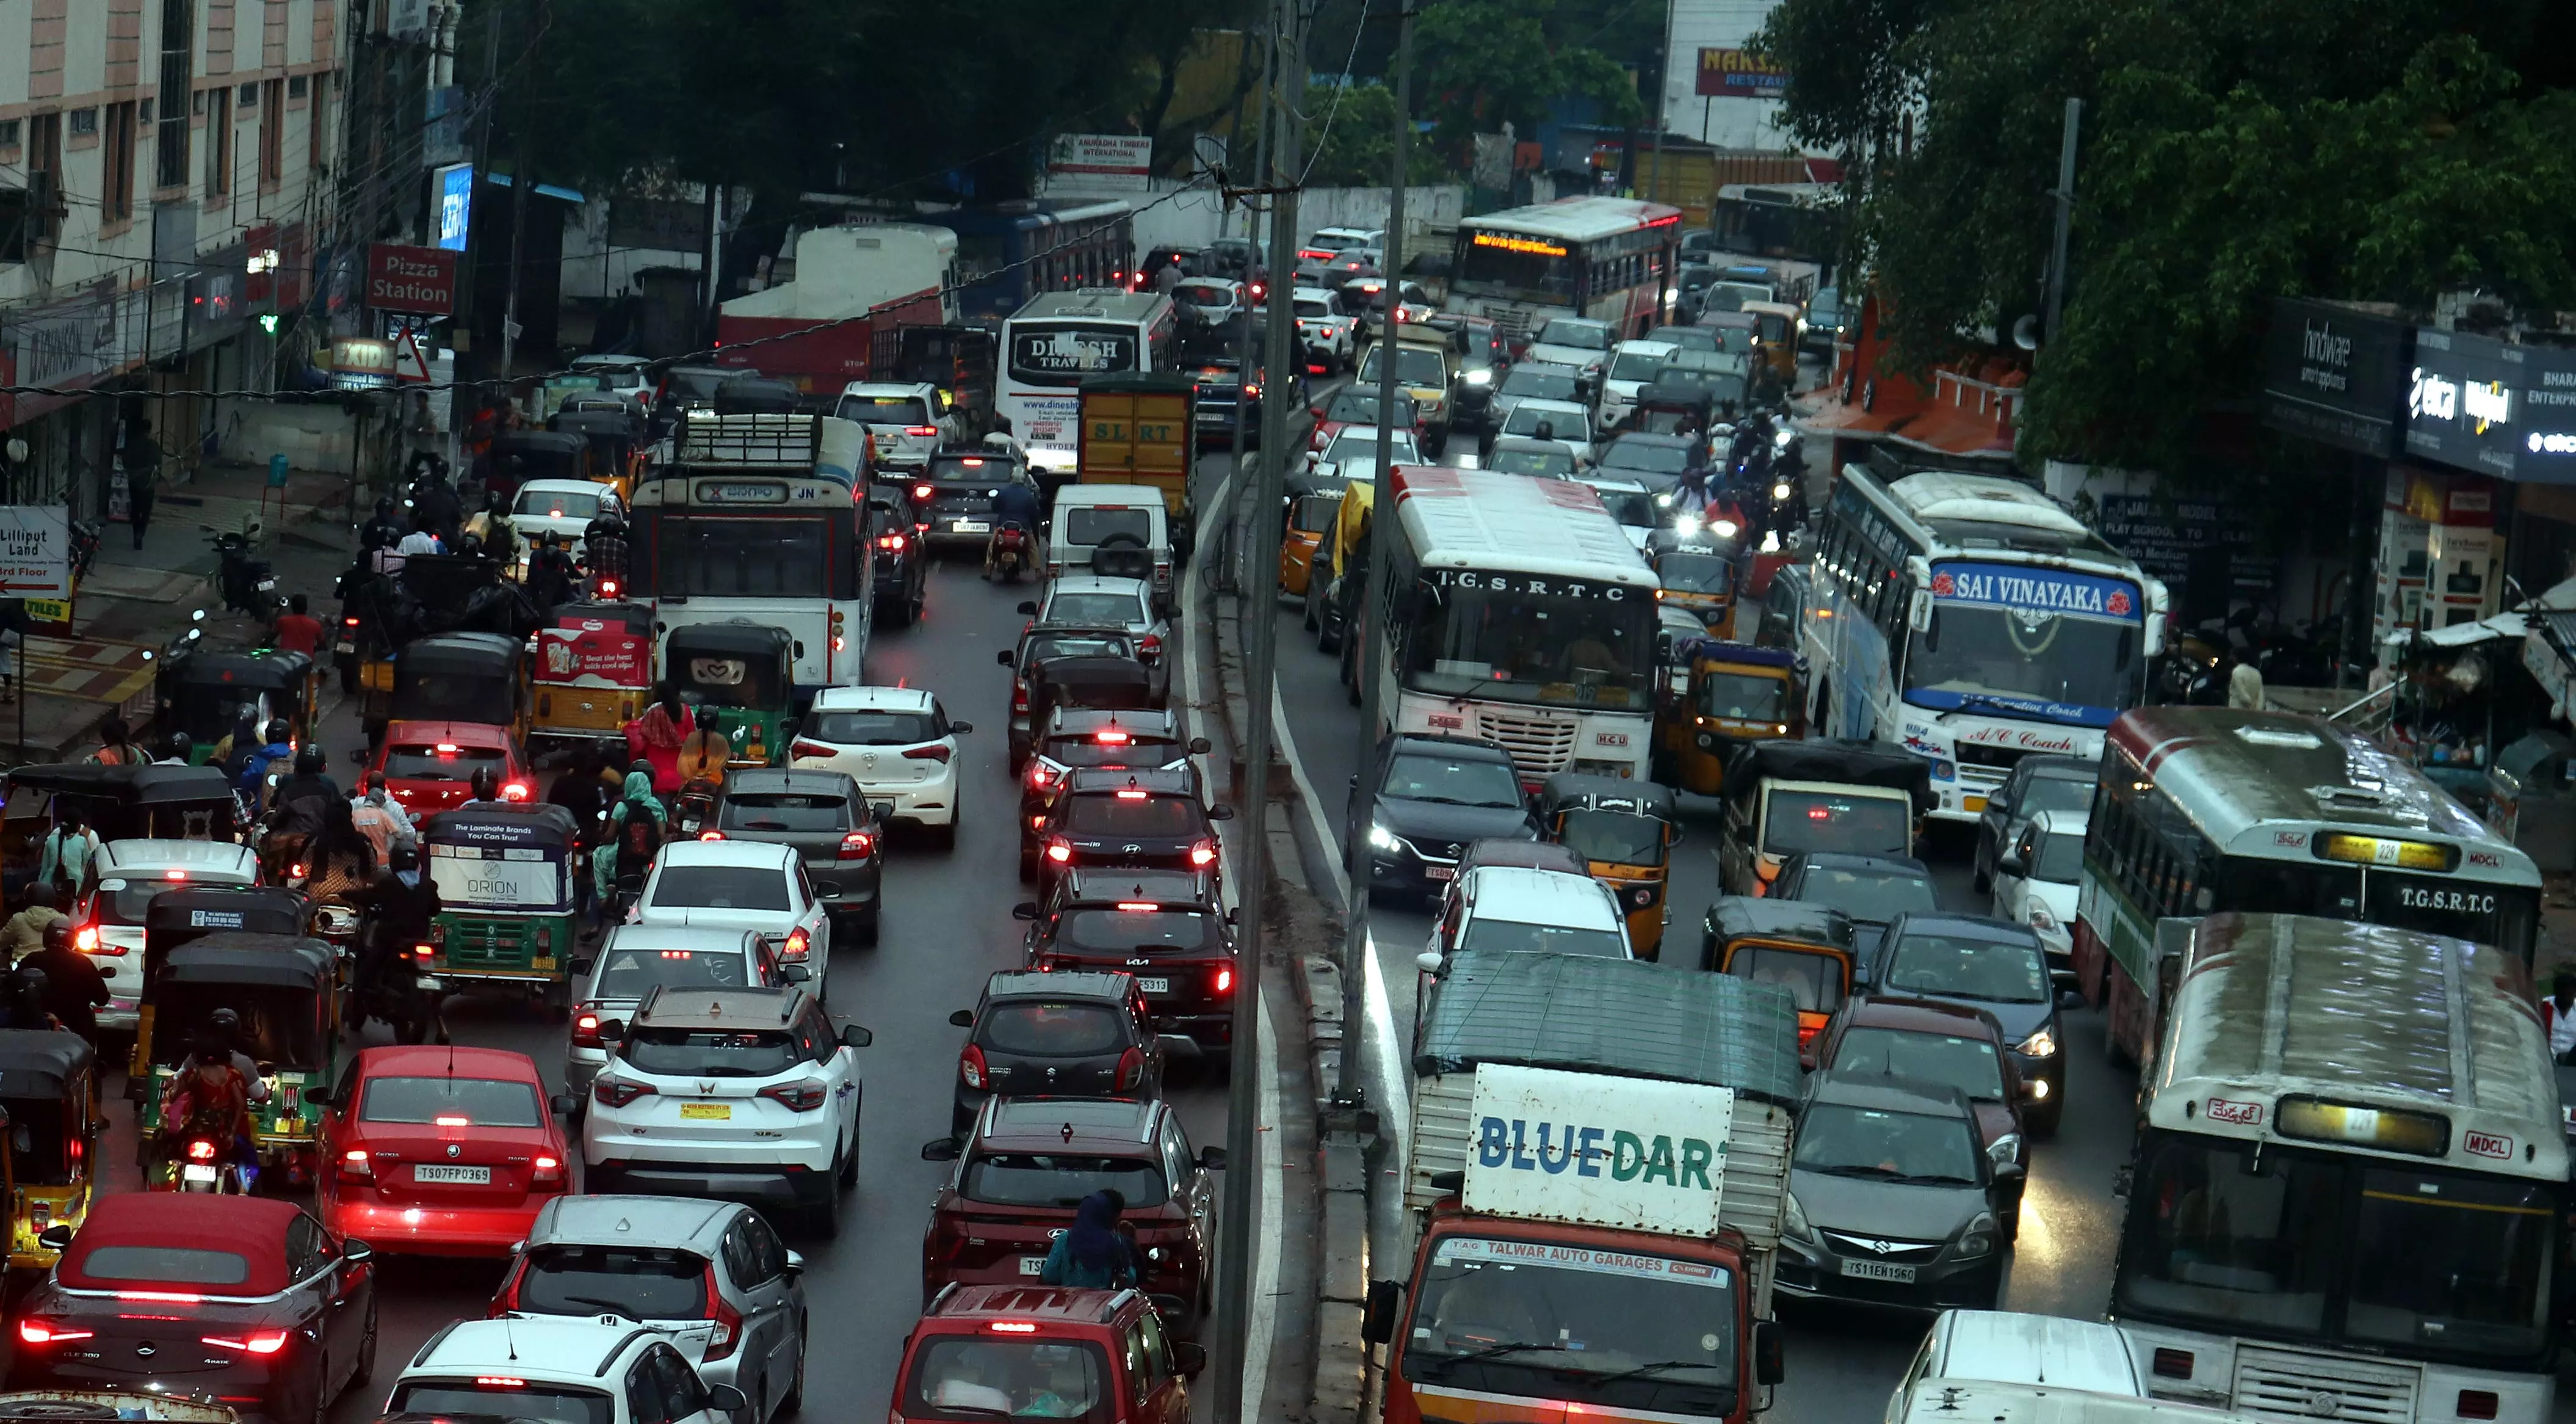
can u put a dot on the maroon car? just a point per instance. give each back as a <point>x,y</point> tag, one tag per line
<point>1946,1044</point>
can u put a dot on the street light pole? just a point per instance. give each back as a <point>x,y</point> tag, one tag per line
<point>1234,562</point>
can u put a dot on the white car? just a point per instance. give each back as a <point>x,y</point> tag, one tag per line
<point>907,421</point>
<point>896,742</point>
<point>1209,301</point>
<point>1574,341</point>
<point>1357,448</point>
<point>2035,880</point>
<point>1634,365</point>
<point>563,508</point>
<point>601,1369</point>
<point>636,959</point>
<point>741,885</point>
<point>1504,909</point>
<point>628,377</point>
<point>1631,504</point>
<point>108,925</point>
<point>1568,424</point>
<point>739,1094</point>
<point>1324,326</point>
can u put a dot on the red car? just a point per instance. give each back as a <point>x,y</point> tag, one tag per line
<point>430,766</point>
<point>995,1352</point>
<point>440,1152</point>
<point>1352,406</point>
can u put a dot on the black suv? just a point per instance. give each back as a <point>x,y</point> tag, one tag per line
<point>1078,737</point>
<point>1043,643</point>
<point>1162,926</point>
<point>1139,818</point>
<point>1433,797</point>
<point>963,483</point>
<point>902,564</point>
<point>1057,1035</point>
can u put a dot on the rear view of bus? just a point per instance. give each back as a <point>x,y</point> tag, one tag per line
<point>1059,340</point>
<point>2349,1181</point>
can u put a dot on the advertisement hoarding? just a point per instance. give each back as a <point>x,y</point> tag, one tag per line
<point>1739,74</point>
<point>2464,401</point>
<point>454,185</point>
<point>1603,1151</point>
<point>2335,374</point>
<point>35,551</point>
<point>1102,161</point>
<point>420,280</point>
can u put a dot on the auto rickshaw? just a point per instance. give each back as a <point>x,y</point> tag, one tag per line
<point>505,890</point>
<point>1776,331</point>
<point>1310,518</point>
<point>1734,694</point>
<point>746,673</point>
<point>617,439</point>
<point>1805,948</point>
<point>1625,831</point>
<point>459,677</point>
<point>50,1125</point>
<point>592,675</point>
<point>1843,794</point>
<point>202,692</point>
<point>282,989</point>
<point>119,802</point>
<point>177,917</point>
<point>1673,408</point>
<point>1698,573</point>
<point>524,455</point>
<point>436,591</point>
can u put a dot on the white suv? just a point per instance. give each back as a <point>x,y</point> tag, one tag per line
<point>740,1094</point>
<point>907,421</point>
<point>603,1369</point>
<point>126,876</point>
<point>1324,326</point>
<point>896,742</point>
<point>741,885</point>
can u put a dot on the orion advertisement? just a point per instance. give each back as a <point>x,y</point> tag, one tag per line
<point>2027,642</point>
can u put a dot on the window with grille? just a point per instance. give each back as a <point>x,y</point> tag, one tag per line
<point>170,141</point>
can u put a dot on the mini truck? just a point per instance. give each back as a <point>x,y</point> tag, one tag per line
<point>1598,1175</point>
<point>1141,430</point>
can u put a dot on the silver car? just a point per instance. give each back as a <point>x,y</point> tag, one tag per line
<point>714,1275</point>
<point>635,958</point>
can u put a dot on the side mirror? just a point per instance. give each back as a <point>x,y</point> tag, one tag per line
<point>725,1399</point>
<point>1233,915</point>
<point>1770,1353</point>
<point>2011,863</point>
<point>1220,813</point>
<point>319,1097</point>
<point>1003,657</point>
<point>1199,746</point>
<point>853,1036</point>
<point>800,652</point>
<point>2070,998</point>
<point>939,1149</point>
<point>57,1237</point>
<point>354,1252</point>
<point>1028,607</point>
<point>1189,1357</point>
<point>612,1030</point>
<point>1428,961</point>
<point>1025,910</point>
<point>881,810</point>
<point>795,1263</point>
<point>2007,1173</point>
<point>1385,1304</point>
<point>963,1018</point>
<point>563,1104</point>
<point>1212,1159</point>
<point>960,729</point>
<point>795,973</point>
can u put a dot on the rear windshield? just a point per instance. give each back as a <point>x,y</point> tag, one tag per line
<point>1967,1064</point>
<point>1206,294</point>
<point>1697,573</point>
<point>1112,609</point>
<point>1814,980</point>
<point>628,973</point>
<point>973,470</point>
<point>871,728</point>
<point>1556,462</point>
<point>710,1053</point>
<point>1106,815</point>
<point>784,811</point>
<point>1825,820</point>
<point>884,410</point>
<point>1874,895</point>
<point>1088,525</point>
<point>1076,645</point>
<point>1653,459</point>
<point>180,1265</point>
<point>451,1102</point>
<point>552,1404</point>
<point>1538,385</point>
<point>720,887</point>
<point>428,763</point>
<point>1137,931</point>
<point>638,1282</point>
<point>1575,332</point>
<point>1514,937</point>
<point>1135,751</point>
<point>556,504</point>
<point>976,1379</point>
<point>1057,1030</point>
<point>1526,419</point>
<point>1414,366</point>
<point>1061,1179</point>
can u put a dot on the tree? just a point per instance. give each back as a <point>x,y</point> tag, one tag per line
<point>1490,62</point>
<point>1350,139</point>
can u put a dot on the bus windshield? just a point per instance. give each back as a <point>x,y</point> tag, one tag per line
<point>731,555</point>
<point>1063,353</point>
<point>1502,638</point>
<point>2482,912</point>
<point>2028,643</point>
<point>1488,265</point>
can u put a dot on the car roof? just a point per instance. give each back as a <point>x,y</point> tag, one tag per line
<point>1085,721</point>
<point>1529,443</point>
<point>1646,437</point>
<point>812,780</point>
<point>666,1007</point>
<point>1060,984</point>
<point>253,1228</point>
<point>633,1221</point>
<point>1459,746</point>
<point>1317,294</point>
<point>1042,1122</point>
<point>1094,583</point>
<point>1138,496</point>
<point>1889,1094</point>
<point>161,851</point>
<point>1511,850</point>
<point>575,1348</point>
<point>1033,1303</point>
<point>841,699</point>
<point>1614,486</point>
<point>757,853</point>
<point>1522,894</point>
<point>887,388</point>
<point>449,1061</point>
<point>1545,368</point>
<point>1161,781</point>
<point>1922,1016</point>
<point>1960,925</point>
<point>697,939</point>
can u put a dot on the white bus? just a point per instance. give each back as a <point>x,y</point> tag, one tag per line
<point>1610,259</point>
<point>1521,614</point>
<point>2213,809</point>
<point>2348,1186</point>
<point>1060,339</point>
<point>1976,621</point>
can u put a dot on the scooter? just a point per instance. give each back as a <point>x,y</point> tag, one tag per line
<point>246,581</point>
<point>694,809</point>
<point>1010,553</point>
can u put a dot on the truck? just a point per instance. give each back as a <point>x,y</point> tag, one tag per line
<point>1842,794</point>
<point>1595,1182</point>
<point>1138,429</point>
<point>863,281</point>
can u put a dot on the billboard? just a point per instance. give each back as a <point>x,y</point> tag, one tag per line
<point>2464,401</point>
<point>1739,74</point>
<point>420,280</point>
<point>1102,161</point>
<point>2334,374</point>
<point>455,188</point>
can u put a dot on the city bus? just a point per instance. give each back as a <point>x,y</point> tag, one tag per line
<point>761,517</point>
<point>1610,259</point>
<point>2345,1200</point>
<point>1974,620</point>
<point>1795,228</point>
<point>2211,809</point>
<point>1061,339</point>
<point>1010,252</point>
<point>1520,614</point>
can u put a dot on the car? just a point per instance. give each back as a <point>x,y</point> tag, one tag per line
<point>1512,909</point>
<point>1826,320</point>
<point>1522,455</point>
<point>1426,369</point>
<point>563,508</point>
<point>1629,503</point>
<point>1158,258</point>
<point>1431,798</point>
<point>1729,293</point>
<point>1580,342</point>
<point>1892,1201</point>
<point>1325,241</point>
<point>633,960</point>
<point>1121,531</point>
<point>1142,818</point>
<point>1690,288</point>
<point>1352,454</point>
<point>1953,1045</point>
<point>1784,607</point>
<point>593,1371</point>
<point>1209,301</point>
<point>901,578</point>
<point>628,377</point>
<point>1350,262</point>
<point>1325,326</point>
<point>1214,358</point>
<point>1068,1033</point>
<point>897,743</point>
<point>2035,784</point>
<point>711,1276</point>
<point>1872,889</point>
<point>958,512</point>
<point>125,877</point>
<point>1634,365</point>
<point>1655,461</point>
<point>249,1300</point>
<point>439,1151</point>
<point>1039,645</point>
<point>1092,601</point>
<point>736,1094</point>
<point>1563,422</point>
<point>2036,881</point>
<point>907,421</point>
<point>1025,1163</point>
<point>1163,926</point>
<point>429,766</point>
<point>741,885</point>
<point>980,1351</point>
<point>687,388</point>
<point>1994,966</point>
<point>1366,296</point>
<point>1530,380</point>
<point>1095,737</point>
<point>1355,409</point>
<point>1688,338</point>
<point>827,818</point>
<point>1240,258</point>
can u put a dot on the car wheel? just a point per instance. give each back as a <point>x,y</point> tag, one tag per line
<point>823,1219</point>
<point>850,1159</point>
<point>366,1369</point>
<point>1312,593</point>
<point>868,923</point>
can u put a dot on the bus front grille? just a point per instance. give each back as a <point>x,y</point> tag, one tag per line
<point>1538,743</point>
<point>2283,1384</point>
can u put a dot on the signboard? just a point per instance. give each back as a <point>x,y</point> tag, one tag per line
<point>2464,401</point>
<point>411,279</point>
<point>410,365</point>
<point>1739,74</point>
<point>512,877</point>
<point>2035,592</point>
<point>596,649</point>
<point>362,363</point>
<point>1603,1151</point>
<point>2548,417</point>
<point>455,189</point>
<point>2334,375</point>
<point>2187,538</point>
<point>35,551</point>
<point>1102,161</point>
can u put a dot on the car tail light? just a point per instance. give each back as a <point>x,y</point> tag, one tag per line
<point>585,1030</point>
<point>797,943</point>
<point>617,1093</point>
<point>608,588</point>
<point>499,1382</point>
<point>1012,1327</point>
<point>35,1331</point>
<point>85,939</point>
<point>1131,1069</point>
<point>515,791</point>
<point>970,1067</point>
<point>357,1166</point>
<point>796,1097</point>
<point>890,542</point>
<point>2173,1364</point>
<point>547,1172</point>
<point>710,835</point>
<point>936,751</point>
<point>801,748</point>
<point>1019,697</point>
<point>1041,773</point>
<point>2477,1404</point>
<point>1203,854</point>
<point>728,1323</point>
<point>1225,978</point>
<point>1149,646</point>
<point>856,845</point>
<point>921,492</point>
<point>1135,796</point>
<point>256,1342</point>
<point>1111,737</point>
<point>1060,851</point>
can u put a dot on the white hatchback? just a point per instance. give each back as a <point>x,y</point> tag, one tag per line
<point>601,1369</point>
<point>2035,880</point>
<point>563,508</point>
<point>741,885</point>
<point>108,924</point>
<point>896,742</point>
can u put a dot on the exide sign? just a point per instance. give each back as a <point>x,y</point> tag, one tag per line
<point>420,280</point>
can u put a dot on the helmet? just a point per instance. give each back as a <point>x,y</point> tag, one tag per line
<point>224,1021</point>
<point>182,746</point>
<point>58,935</point>
<point>487,787</point>
<point>279,730</point>
<point>311,762</point>
<point>31,980</point>
<point>403,856</point>
<point>384,507</point>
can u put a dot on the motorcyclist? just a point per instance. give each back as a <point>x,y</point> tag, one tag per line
<point>221,1040</point>
<point>400,906</point>
<point>279,748</point>
<point>434,504</point>
<point>309,779</point>
<point>379,817</point>
<point>1015,506</point>
<point>66,983</point>
<point>177,750</point>
<point>492,525</point>
<point>382,532</point>
<point>215,1089</point>
<point>550,572</point>
<point>603,547</point>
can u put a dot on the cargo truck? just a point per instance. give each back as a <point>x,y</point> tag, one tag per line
<point>853,288</point>
<point>1596,1182</point>
<point>1138,430</point>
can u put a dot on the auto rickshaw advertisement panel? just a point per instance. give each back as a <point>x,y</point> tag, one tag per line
<point>505,886</point>
<point>282,991</point>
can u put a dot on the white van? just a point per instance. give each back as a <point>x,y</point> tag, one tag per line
<point>2006,1347</point>
<point>1116,531</point>
<point>1949,1401</point>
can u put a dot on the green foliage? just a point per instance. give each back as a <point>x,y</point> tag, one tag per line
<point>1488,62</point>
<point>1353,145</point>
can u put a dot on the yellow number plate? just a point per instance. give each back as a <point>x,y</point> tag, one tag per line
<point>542,961</point>
<point>706,1112</point>
<point>1972,804</point>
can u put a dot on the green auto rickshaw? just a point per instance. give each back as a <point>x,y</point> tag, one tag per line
<point>50,1126</point>
<point>743,670</point>
<point>505,877</point>
<point>187,914</point>
<point>202,692</point>
<point>282,989</point>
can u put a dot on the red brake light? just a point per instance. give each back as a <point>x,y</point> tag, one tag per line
<point>728,1331</point>
<point>1139,907</point>
<point>1203,854</point>
<point>1131,1068</point>
<point>617,1093</point>
<point>1150,646</point>
<point>452,1120</point>
<point>936,751</point>
<point>1059,852</point>
<point>1041,773</point>
<point>1819,813</point>
<point>921,431</point>
<point>921,491</point>
<point>1012,1327</point>
<point>2173,1364</point>
<point>515,791</point>
<point>500,1382</point>
<point>1132,796</point>
<point>608,588</point>
<point>548,1172</point>
<point>856,845</point>
<point>803,748</point>
<point>710,835</point>
<point>356,1166</point>
<point>257,1342</point>
<point>45,1332</point>
<point>797,1097</point>
<point>797,944</point>
<point>1111,737</point>
<point>446,749</point>
<point>1225,978</point>
<point>890,541</point>
<point>174,875</point>
<point>85,938</point>
<point>970,1066</point>
<point>201,1149</point>
<point>585,1031</point>
<point>351,622</point>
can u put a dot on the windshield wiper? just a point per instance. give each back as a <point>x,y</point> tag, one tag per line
<point>1490,1351</point>
<point>1656,1368</point>
<point>1855,1169</point>
<point>1936,1177</point>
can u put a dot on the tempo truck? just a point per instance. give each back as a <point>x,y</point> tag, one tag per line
<point>1596,1183</point>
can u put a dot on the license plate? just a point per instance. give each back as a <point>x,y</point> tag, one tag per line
<point>1880,1271</point>
<point>1439,872</point>
<point>1032,1265</point>
<point>196,1173</point>
<point>1155,986</point>
<point>266,584</point>
<point>344,646</point>
<point>706,1112</point>
<point>439,1172</point>
<point>970,526</point>
<point>1972,804</point>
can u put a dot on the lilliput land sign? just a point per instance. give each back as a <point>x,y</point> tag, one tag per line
<point>35,552</point>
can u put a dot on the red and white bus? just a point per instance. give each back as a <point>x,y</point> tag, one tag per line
<point>1610,259</point>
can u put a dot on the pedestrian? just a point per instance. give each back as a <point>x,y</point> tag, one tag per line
<point>142,475</point>
<point>1092,1255</point>
<point>2558,1015</point>
<point>116,745</point>
<point>69,846</point>
<point>72,989</point>
<point>298,631</point>
<point>2244,683</point>
<point>24,934</point>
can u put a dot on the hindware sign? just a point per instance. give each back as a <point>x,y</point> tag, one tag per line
<point>2335,375</point>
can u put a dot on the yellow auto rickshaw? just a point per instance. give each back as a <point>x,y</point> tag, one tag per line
<point>1734,694</point>
<point>592,675</point>
<point>1310,518</point>
<point>1777,327</point>
<point>1699,573</point>
<point>1340,549</point>
<point>1625,831</point>
<point>1805,948</point>
<point>50,1125</point>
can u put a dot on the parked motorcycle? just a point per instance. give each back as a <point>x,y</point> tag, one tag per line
<point>246,581</point>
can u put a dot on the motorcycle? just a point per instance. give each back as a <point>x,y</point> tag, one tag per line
<point>246,581</point>
<point>1010,552</point>
<point>84,551</point>
<point>694,809</point>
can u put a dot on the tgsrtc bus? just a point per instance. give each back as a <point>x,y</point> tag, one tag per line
<point>1610,259</point>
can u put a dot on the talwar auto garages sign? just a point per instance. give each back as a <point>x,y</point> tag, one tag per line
<point>1601,1151</point>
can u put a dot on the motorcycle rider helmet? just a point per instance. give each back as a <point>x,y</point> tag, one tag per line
<point>403,856</point>
<point>279,731</point>
<point>58,935</point>
<point>311,762</point>
<point>182,746</point>
<point>31,981</point>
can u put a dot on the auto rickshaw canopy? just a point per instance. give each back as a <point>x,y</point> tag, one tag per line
<point>552,454</point>
<point>280,988</point>
<point>42,1063</point>
<point>1735,918</point>
<point>132,802</point>
<point>732,663</point>
<point>1849,760</point>
<point>202,692</point>
<point>451,678</point>
<point>478,857</point>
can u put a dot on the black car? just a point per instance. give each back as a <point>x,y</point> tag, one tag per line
<point>1872,890</point>
<point>1163,926</point>
<point>2036,784</point>
<point>1484,358</point>
<point>1213,357</point>
<point>959,512</point>
<point>1433,796</point>
<point>1147,819</point>
<point>902,563</point>
<point>1040,644</point>
<point>1078,1035</point>
<point>1655,461</point>
<point>1892,1199</point>
<point>1997,966</point>
<point>1158,258</point>
<point>1078,737</point>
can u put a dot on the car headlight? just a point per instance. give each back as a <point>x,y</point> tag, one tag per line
<point>1725,528</point>
<point>1978,1240</point>
<point>1663,501</point>
<point>1795,1224</point>
<point>2042,1044</point>
<point>1481,378</point>
<point>1383,839</point>
<point>2006,1148</point>
<point>2041,919</point>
